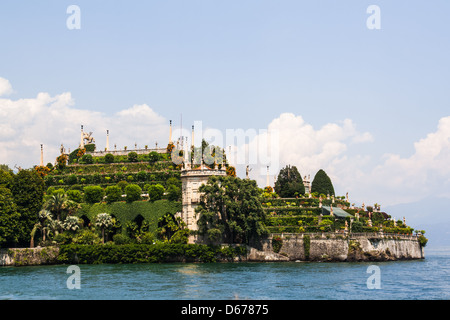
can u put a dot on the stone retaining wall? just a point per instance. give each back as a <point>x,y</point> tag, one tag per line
<point>28,256</point>
<point>323,248</point>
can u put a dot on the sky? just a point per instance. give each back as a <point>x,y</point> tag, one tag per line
<point>369,106</point>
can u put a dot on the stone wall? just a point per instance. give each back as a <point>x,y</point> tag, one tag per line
<point>28,256</point>
<point>326,247</point>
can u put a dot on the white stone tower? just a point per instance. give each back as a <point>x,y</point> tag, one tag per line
<point>191,180</point>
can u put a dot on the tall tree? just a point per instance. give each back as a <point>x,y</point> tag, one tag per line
<point>230,210</point>
<point>28,193</point>
<point>289,182</point>
<point>322,183</point>
<point>9,219</point>
<point>6,178</point>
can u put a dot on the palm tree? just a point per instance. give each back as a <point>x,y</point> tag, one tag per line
<point>103,221</point>
<point>72,224</point>
<point>43,217</point>
<point>59,204</point>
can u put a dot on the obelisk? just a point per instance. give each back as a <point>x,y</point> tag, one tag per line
<point>42,155</point>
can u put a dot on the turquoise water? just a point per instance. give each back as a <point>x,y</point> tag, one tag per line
<point>418,279</point>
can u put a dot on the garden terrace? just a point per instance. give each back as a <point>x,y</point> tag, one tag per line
<point>115,167</point>
<point>106,179</point>
<point>302,202</point>
<point>303,215</point>
<point>89,156</point>
<point>144,151</point>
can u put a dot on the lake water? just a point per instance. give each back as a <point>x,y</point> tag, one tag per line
<point>427,279</point>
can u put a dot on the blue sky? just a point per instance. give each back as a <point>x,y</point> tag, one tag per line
<point>239,64</point>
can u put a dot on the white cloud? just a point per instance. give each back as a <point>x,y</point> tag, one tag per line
<point>52,120</point>
<point>387,178</point>
<point>425,173</point>
<point>5,87</point>
<point>310,149</point>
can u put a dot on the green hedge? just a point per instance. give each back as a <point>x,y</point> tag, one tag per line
<point>292,211</point>
<point>290,220</point>
<point>114,167</point>
<point>124,212</point>
<point>121,158</point>
<point>142,253</point>
<point>110,178</point>
<point>304,202</point>
<point>292,229</point>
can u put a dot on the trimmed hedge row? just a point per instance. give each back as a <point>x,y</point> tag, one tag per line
<point>143,253</point>
<point>293,229</point>
<point>117,158</point>
<point>97,178</point>
<point>115,167</point>
<point>295,211</point>
<point>304,202</point>
<point>290,220</point>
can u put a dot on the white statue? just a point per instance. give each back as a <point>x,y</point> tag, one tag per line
<point>88,138</point>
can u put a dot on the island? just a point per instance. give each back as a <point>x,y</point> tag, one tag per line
<point>174,204</point>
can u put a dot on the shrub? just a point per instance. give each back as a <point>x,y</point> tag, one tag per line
<point>181,236</point>
<point>93,194</point>
<point>173,181</point>
<point>173,193</point>
<point>63,238</point>
<point>72,179</point>
<point>306,246</point>
<point>155,192</point>
<point>75,195</point>
<point>87,237</point>
<point>147,238</point>
<point>277,243</point>
<point>422,241</point>
<point>133,192</point>
<point>113,194</point>
<point>357,226</point>
<point>109,158</point>
<point>132,156</point>
<point>153,156</point>
<point>87,159</point>
<point>90,147</point>
<point>326,222</point>
<point>142,175</point>
<point>122,184</point>
<point>121,239</point>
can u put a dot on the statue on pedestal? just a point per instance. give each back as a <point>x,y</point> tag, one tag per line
<point>247,170</point>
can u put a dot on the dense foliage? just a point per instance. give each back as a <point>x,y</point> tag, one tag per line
<point>21,198</point>
<point>9,219</point>
<point>289,183</point>
<point>231,210</point>
<point>322,183</point>
<point>139,253</point>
